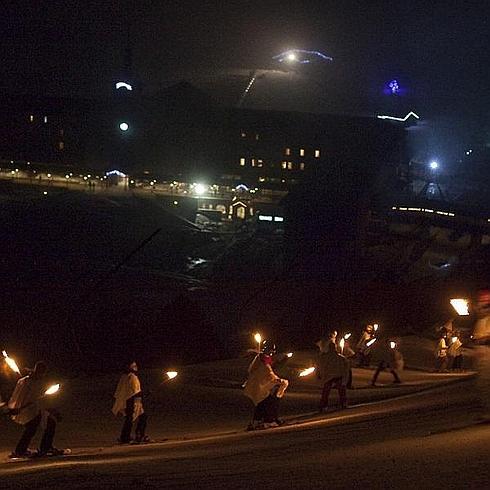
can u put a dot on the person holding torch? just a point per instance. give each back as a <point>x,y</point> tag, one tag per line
<point>265,389</point>
<point>128,402</point>
<point>26,408</point>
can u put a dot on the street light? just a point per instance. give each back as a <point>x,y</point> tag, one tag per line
<point>124,126</point>
<point>434,165</point>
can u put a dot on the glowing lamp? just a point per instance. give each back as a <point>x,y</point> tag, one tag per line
<point>460,305</point>
<point>124,126</point>
<point>200,189</point>
<point>171,374</point>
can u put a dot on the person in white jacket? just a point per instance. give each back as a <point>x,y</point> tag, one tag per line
<point>26,406</point>
<point>265,389</point>
<point>333,369</point>
<point>128,402</point>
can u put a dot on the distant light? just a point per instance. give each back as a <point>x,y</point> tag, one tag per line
<point>124,126</point>
<point>392,344</point>
<point>289,354</point>
<point>171,374</point>
<point>263,217</point>
<point>401,119</point>
<point>45,193</point>
<point>176,202</point>
<point>279,219</point>
<point>49,176</point>
<point>116,172</point>
<point>241,187</point>
<point>394,87</point>
<point>302,56</point>
<point>200,189</point>
<point>67,176</point>
<point>434,165</point>
<point>460,305</point>
<point>125,85</point>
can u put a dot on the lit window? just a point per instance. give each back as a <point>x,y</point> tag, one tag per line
<point>242,162</point>
<point>61,146</point>
<point>45,119</point>
<point>284,165</point>
<point>290,165</point>
<point>302,166</point>
<point>31,118</point>
<point>288,151</point>
<point>302,152</point>
<point>317,153</point>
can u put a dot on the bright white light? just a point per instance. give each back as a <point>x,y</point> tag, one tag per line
<point>52,389</point>
<point>258,338</point>
<point>461,306</point>
<point>279,219</point>
<point>124,126</point>
<point>116,172</point>
<point>433,165</point>
<point>347,335</point>
<point>289,354</point>
<point>291,57</point>
<point>171,374</point>
<point>307,371</point>
<point>401,119</point>
<point>200,189</point>
<point>371,342</point>
<point>392,344</point>
<point>125,85</point>
<point>263,217</point>
<point>375,326</point>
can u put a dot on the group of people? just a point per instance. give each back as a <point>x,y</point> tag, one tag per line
<point>29,408</point>
<point>333,367</point>
<point>449,350</point>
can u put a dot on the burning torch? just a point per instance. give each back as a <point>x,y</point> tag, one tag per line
<point>11,363</point>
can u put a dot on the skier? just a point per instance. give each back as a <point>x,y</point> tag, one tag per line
<point>333,369</point>
<point>26,408</point>
<point>441,354</point>
<point>389,357</point>
<point>128,402</point>
<point>265,389</point>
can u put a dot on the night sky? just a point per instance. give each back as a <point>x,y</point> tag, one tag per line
<point>438,50</point>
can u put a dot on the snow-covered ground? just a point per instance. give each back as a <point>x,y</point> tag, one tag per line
<point>207,398</point>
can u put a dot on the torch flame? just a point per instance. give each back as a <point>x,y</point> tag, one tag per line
<point>460,305</point>
<point>375,326</point>
<point>453,339</point>
<point>289,354</point>
<point>52,389</point>
<point>347,336</point>
<point>341,344</point>
<point>171,374</point>
<point>371,342</point>
<point>258,338</point>
<point>392,344</point>
<point>11,363</point>
<point>307,371</point>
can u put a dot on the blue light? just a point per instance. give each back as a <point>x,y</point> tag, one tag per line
<point>434,165</point>
<point>394,87</point>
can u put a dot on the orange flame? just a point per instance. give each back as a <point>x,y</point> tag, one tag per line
<point>11,363</point>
